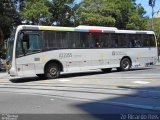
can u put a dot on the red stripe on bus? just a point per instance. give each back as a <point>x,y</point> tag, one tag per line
<point>95,30</point>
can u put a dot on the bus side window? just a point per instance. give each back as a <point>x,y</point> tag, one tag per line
<point>105,40</point>
<point>34,42</point>
<point>152,40</point>
<point>96,40</point>
<point>138,40</point>
<point>132,43</point>
<point>145,41</point>
<point>25,42</point>
<point>114,43</point>
<point>138,43</point>
<point>122,41</point>
<point>84,40</point>
<point>74,40</point>
<point>97,45</point>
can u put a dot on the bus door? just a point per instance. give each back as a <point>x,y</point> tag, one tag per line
<point>28,47</point>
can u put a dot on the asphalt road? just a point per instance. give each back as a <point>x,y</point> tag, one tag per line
<point>92,95</point>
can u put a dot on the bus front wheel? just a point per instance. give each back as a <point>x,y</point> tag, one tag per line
<point>52,71</point>
<point>125,65</point>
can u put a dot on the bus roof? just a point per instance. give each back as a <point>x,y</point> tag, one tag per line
<point>83,28</point>
<point>134,31</point>
<point>96,27</point>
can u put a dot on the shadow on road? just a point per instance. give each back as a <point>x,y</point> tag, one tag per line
<point>26,79</point>
<point>142,104</point>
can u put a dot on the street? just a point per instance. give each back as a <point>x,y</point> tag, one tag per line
<point>89,95</point>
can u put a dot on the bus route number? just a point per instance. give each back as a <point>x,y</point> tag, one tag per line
<point>65,55</point>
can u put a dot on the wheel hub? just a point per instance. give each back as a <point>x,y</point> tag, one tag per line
<point>53,71</point>
<point>125,65</point>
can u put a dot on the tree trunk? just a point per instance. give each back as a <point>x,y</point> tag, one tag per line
<point>1,36</point>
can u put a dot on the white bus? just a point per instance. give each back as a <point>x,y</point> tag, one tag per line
<point>49,50</point>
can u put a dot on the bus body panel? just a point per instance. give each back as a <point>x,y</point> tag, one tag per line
<point>29,65</point>
<point>84,59</point>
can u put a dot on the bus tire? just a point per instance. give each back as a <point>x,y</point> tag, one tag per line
<point>52,71</point>
<point>106,70</point>
<point>125,64</point>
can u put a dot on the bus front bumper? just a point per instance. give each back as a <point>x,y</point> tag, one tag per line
<point>12,72</point>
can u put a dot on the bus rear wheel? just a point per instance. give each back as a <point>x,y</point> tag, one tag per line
<point>106,70</point>
<point>52,71</point>
<point>125,65</point>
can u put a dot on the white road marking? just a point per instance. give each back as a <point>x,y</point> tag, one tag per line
<point>141,82</point>
<point>64,80</point>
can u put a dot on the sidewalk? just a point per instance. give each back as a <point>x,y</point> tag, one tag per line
<point>3,75</point>
<point>158,63</point>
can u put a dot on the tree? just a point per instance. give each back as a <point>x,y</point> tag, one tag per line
<point>8,18</point>
<point>136,18</point>
<point>96,12</point>
<point>119,13</point>
<point>35,11</point>
<point>62,12</point>
<point>156,28</point>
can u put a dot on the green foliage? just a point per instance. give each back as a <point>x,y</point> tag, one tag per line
<point>62,11</point>
<point>9,17</point>
<point>96,12</point>
<point>119,13</point>
<point>136,19</point>
<point>123,14</point>
<point>156,28</point>
<point>35,11</point>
